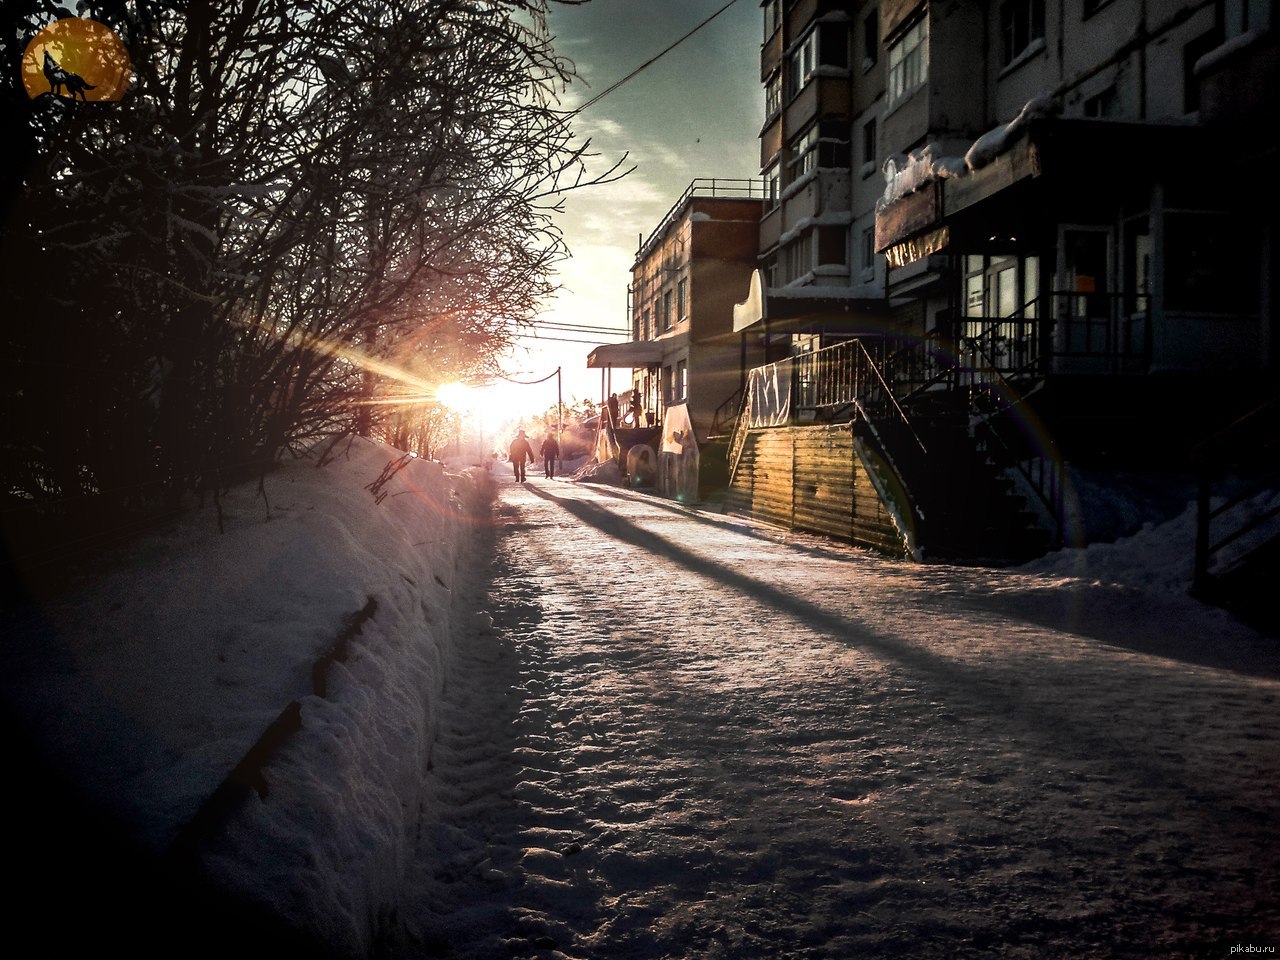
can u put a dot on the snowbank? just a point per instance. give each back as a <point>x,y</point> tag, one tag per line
<point>170,667</point>
<point>593,472</point>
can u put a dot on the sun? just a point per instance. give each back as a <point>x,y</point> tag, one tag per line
<point>494,407</point>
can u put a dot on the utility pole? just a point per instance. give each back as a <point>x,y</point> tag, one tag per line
<point>559,423</point>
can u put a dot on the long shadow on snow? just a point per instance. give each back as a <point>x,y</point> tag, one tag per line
<point>993,692</point>
<point>1101,614</point>
<point>739,528</point>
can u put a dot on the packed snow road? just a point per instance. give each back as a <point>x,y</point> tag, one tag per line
<point>684,735</point>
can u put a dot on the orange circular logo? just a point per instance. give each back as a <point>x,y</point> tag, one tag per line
<point>78,59</point>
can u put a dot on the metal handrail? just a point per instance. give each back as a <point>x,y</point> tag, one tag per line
<point>1229,449</point>
<point>720,417</point>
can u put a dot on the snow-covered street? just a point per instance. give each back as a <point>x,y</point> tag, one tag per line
<point>685,735</point>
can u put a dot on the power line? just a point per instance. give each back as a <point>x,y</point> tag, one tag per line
<point>578,328</point>
<point>652,60</point>
<point>533,336</point>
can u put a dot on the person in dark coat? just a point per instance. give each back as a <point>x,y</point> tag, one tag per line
<point>550,452</point>
<point>612,405</point>
<point>520,452</point>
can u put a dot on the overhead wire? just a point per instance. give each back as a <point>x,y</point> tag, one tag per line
<point>652,60</point>
<point>574,328</point>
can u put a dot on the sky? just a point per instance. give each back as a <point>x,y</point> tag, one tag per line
<point>694,113</point>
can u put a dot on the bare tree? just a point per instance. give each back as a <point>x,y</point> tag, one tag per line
<point>304,216</point>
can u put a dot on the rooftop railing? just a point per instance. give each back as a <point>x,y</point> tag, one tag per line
<point>755,188</point>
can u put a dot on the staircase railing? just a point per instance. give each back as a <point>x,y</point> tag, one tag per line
<point>848,374</point>
<point>1249,445</point>
<point>1005,348</point>
<point>727,414</point>
<point>738,439</point>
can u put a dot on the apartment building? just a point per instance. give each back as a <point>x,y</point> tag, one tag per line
<point>1068,213</point>
<point>819,279</point>
<point>1001,236</point>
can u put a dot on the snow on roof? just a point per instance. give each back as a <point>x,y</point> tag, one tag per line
<point>905,175</point>
<point>995,141</point>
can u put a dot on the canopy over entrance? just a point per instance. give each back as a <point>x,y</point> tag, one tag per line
<point>633,355</point>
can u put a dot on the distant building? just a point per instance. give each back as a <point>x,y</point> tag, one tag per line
<point>683,361</point>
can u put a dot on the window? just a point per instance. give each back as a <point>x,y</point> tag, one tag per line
<point>800,257</point>
<point>826,45</point>
<point>1021,22</point>
<point>773,95</point>
<point>868,258</point>
<point>870,40</point>
<point>832,246</point>
<point>666,311</point>
<point>1102,105</point>
<point>869,142</point>
<point>819,146</point>
<point>833,45</point>
<point>682,299</point>
<point>682,380</point>
<point>801,64</point>
<point>1205,270</point>
<point>1000,287</point>
<point>646,327</point>
<point>909,61</point>
<point>772,185</point>
<point>667,384</point>
<point>772,17</point>
<point>804,158</point>
<point>1137,264</point>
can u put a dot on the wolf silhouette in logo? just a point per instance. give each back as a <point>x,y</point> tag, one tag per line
<point>59,78</point>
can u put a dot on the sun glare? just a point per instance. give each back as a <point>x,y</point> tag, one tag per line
<point>458,397</point>
<point>491,407</point>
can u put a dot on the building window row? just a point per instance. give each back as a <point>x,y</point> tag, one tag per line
<point>909,61</point>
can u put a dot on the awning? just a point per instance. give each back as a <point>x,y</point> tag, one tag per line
<point>630,356</point>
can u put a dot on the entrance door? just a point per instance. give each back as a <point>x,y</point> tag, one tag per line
<point>1083,301</point>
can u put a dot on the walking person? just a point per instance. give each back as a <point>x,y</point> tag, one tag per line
<point>550,453</point>
<point>520,453</point>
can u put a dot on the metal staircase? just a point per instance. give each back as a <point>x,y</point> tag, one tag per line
<point>948,418</point>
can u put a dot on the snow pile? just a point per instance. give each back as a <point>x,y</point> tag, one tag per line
<point>1159,557</point>
<point>995,142</point>
<point>593,472</point>
<point>172,664</point>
